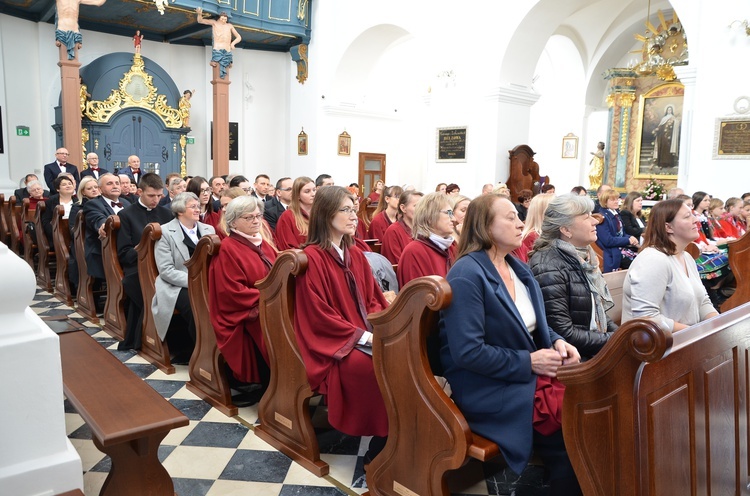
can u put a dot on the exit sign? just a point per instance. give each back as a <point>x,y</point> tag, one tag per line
<point>22,131</point>
<point>190,140</point>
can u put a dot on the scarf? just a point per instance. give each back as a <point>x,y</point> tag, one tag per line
<point>441,242</point>
<point>345,265</point>
<point>590,266</point>
<point>250,242</point>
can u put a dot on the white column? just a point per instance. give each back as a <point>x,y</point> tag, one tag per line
<point>687,75</point>
<point>36,456</point>
<point>7,186</point>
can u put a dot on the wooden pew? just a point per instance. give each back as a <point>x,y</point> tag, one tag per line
<point>599,255</point>
<point>207,368</point>
<point>4,220</point>
<point>128,419</point>
<point>739,262</point>
<point>152,349</point>
<point>29,243</point>
<point>427,433</point>
<point>657,413</point>
<point>614,281</point>
<point>114,308</point>
<point>694,250</point>
<point>283,411</point>
<point>45,274</point>
<point>85,303</point>
<point>14,216</point>
<point>61,240</point>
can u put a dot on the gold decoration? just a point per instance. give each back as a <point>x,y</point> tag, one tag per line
<point>664,47</point>
<point>183,163</point>
<point>301,9</point>
<point>136,90</point>
<point>96,143</point>
<point>624,135</point>
<point>627,99</point>
<point>84,140</point>
<point>611,100</point>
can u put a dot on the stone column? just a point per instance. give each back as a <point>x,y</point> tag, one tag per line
<point>220,147</point>
<point>687,75</point>
<point>71,105</point>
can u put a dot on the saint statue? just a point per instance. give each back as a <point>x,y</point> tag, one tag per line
<point>667,140</point>
<point>66,29</point>
<point>184,106</point>
<point>137,39</point>
<point>596,173</point>
<point>85,96</point>
<point>225,38</point>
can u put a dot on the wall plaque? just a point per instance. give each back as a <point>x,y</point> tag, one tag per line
<point>732,138</point>
<point>451,144</point>
<point>234,149</point>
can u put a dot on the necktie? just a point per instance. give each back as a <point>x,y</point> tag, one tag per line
<point>117,204</point>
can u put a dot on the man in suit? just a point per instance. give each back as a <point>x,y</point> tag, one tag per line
<point>175,186</point>
<point>276,205</point>
<point>126,189</point>
<point>262,186</point>
<point>53,169</point>
<point>94,170</point>
<point>133,221</point>
<point>133,169</point>
<point>218,186</point>
<point>96,212</point>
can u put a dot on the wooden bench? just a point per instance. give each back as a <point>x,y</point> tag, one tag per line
<point>4,220</point>
<point>153,348</point>
<point>14,218</point>
<point>657,413</point>
<point>61,240</point>
<point>427,433</point>
<point>614,281</point>
<point>128,419</point>
<point>739,262</point>
<point>29,241</point>
<point>114,308</point>
<point>85,303</point>
<point>283,411</point>
<point>207,368</point>
<point>46,271</point>
<point>694,250</point>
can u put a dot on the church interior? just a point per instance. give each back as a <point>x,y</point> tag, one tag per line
<point>336,87</point>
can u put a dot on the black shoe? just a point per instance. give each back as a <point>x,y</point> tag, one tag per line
<point>248,399</point>
<point>182,358</point>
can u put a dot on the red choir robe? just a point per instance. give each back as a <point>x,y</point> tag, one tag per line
<point>522,252</point>
<point>233,303</point>
<point>361,230</point>
<point>395,239</point>
<point>718,228</point>
<point>287,235</point>
<point>328,323</point>
<point>731,227</point>
<point>424,258</point>
<point>362,245</point>
<point>378,226</point>
<point>212,220</point>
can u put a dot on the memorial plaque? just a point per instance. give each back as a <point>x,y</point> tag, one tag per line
<point>734,138</point>
<point>451,144</point>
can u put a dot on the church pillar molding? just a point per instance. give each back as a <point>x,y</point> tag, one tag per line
<point>687,76</point>
<point>515,94</point>
<point>620,101</point>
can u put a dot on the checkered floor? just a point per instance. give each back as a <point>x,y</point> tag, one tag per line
<point>219,455</point>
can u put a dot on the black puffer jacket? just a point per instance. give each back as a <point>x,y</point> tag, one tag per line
<point>567,300</point>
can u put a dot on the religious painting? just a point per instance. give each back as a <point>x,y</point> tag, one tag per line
<point>302,143</point>
<point>658,136</point>
<point>345,144</point>
<point>570,146</point>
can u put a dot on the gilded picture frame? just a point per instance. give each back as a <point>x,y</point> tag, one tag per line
<point>657,146</point>
<point>302,143</point>
<point>345,144</point>
<point>570,146</point>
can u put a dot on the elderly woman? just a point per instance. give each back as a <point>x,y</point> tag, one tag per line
<point>245,257</point>
<point>576,297</point>
<point>399,234</point>
<point>176,246</point>
<point>292,226</point>
<point>65,196</point>
<point>496,344</point>
<point>386,212</point>
<point>663,281</point>
<point>611,237</point>
<point>434,250</point>
<point>333,298</point>
<point>36,193</point>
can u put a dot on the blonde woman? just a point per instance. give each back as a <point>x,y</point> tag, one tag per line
<point>533,227</point>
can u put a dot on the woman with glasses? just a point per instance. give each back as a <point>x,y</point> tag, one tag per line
<point>200,188</point>
<point>176,246</point>
<point>433,250</point>
<point>291,229</point>
<point>386,213</point>
<point>399,234</point>
<point>333,298</point>
<point>223,229</point>
<point>245,257</point>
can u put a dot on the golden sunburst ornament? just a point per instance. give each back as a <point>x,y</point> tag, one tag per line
<point>664,47</point>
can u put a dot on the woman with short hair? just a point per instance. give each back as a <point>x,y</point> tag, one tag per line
<point>292,226</point>
<point>65,196</point>
<point>399,234</point>
<point>611,237</point>
<point>576,297</point>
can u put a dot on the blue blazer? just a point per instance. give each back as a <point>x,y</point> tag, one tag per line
<point>609,241</point>
<point>486,353</point>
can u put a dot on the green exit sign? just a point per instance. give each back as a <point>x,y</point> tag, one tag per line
<point>190,140</point>
<point>22,131</point>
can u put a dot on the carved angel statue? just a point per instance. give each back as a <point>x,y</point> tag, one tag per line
<point>161,5</point>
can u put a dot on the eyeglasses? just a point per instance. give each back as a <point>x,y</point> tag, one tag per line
<point>193,207</point>
<point>205,190</point>
<point>348,210</point>
<point>252,218</point>
<point>448,212</point>
<point>283,189</point>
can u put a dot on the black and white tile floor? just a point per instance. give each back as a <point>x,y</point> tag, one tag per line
<point>219,455</point>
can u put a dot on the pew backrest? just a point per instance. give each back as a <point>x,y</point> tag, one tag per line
<point>114,308</point>
<point>4,214</point>
<point>85,294</point>
<point>61,240</point>
<point>27,223</point>
<point>739,262</point>
<point>14,225</point>
<point>694,250</point>
<point>614,281</point>
<point>44,273</point>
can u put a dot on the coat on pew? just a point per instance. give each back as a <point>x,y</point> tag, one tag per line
<point>171,253</point>
<point>232,277</point>
<point>487,356</point>
<point>328,324</point>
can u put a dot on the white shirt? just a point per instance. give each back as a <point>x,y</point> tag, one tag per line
<point>523,302</point>
<point>192,233</point>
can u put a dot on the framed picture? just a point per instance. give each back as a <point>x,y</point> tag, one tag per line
<point>658,137</point>
<point>302,143</point>
<point>570,146</point>
<point>451,144</point>
<point>345,144</point>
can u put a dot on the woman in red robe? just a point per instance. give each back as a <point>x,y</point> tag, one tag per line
<point>291,228</point>
<point>244,258</point>
<point>200,188</point>
<point>333,298</point>
<point>398,235</point>
<point>433,251</point>
<point>385,214</point>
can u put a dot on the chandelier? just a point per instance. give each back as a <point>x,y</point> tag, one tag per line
<point>663,48</point>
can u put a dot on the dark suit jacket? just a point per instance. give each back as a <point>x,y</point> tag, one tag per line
<point>89,172</point>
<point>486,352</point>
<point>52,170</point>
<point>128,171</point>
<point>133,221</point>
<point>165,202</point>
<point>272,212</point>
<point>96,211</point>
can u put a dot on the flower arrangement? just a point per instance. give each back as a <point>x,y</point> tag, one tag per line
<point>654,190</point>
